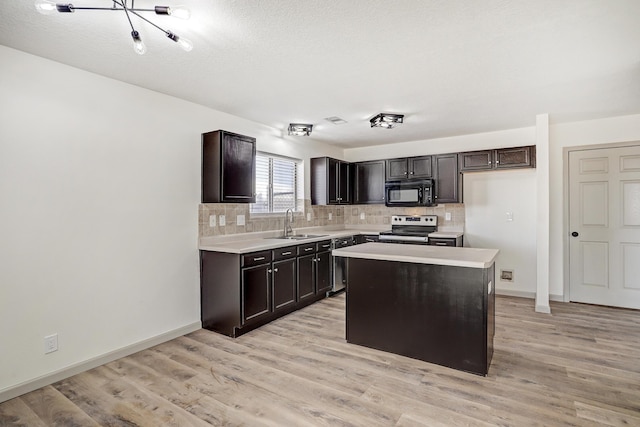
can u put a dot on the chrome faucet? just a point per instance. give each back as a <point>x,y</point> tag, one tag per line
<point>288,220</point>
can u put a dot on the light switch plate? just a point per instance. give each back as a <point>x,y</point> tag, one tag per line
<point>240,219</point>
<point>447,216</point>
<point>212,220</point>
<point>308,216</point>
<point>330,216</point>
<point>361,215</point>
<point>509,216</point>
<point>222,221</point>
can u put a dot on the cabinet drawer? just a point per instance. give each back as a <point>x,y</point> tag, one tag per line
<point>307,249</point>
<point>325,245</point>
<point>256,258</point>
<point>435,241</point>
<point>284,253</point>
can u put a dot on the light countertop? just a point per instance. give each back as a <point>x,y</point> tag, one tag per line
<point>446,234</point>
<point>439,255</point>
<point>252,242</point>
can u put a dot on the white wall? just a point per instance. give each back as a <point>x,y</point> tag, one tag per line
<point>99,194</point>
<point>488,196</point>
<point>592,132</point>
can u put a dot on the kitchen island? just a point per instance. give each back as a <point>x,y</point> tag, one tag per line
<point>431,303</point>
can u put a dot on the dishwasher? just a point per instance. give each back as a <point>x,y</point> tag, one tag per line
<point>340,264</point>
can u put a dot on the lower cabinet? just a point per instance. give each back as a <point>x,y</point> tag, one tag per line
<point>240,292</point>
<point>256,292</point>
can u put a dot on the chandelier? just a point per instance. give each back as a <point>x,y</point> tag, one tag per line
<point>127,6</point>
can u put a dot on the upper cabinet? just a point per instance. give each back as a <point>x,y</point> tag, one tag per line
<point>368,185</point>
<point>330,181</point>
<point>446,178</point>
<point>502,158</point>
<point>409,168</point>
<point>228,168</point>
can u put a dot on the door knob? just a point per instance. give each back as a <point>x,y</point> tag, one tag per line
<point>575,234</point>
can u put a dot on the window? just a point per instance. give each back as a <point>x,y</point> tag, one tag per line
<point>276,184</point>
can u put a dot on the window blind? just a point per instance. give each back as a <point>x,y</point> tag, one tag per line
<point>276,184</point>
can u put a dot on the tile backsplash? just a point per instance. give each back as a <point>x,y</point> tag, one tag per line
<point>377,216</point>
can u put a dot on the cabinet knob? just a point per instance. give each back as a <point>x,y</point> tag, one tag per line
<point>411,173</point>
<point>497,162</point>
<point>575,234</point>
<point>275,270</point>
<point>269,270</point>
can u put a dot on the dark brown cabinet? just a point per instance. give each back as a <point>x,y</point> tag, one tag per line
<point>445,241</point>
<point>330,181</point>
<point>306,284</point>
<point>502,158</point>
<point>239,293</point>
<point>323,272</point>
<point>256,292</point>
<point>369,180</point>
<point>446,178</point>
<point>314,270</point>
<point>409,168</point>
<point>228,167</point>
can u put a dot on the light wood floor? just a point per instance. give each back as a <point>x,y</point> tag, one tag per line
<point>579,366</point>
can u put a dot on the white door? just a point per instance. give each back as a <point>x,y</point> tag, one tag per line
<point>604,220</point>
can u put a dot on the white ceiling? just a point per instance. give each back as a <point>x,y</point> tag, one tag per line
<point>451,66</point>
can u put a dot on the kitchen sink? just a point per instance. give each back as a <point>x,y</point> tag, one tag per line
<point>298,236</point>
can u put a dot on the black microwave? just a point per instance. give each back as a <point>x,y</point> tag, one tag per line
<point>409,193</point>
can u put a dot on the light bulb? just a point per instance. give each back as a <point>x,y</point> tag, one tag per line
<point>138,45</point>
<point>185,44</point>
<point>179,12</point>
<point>45,7</point>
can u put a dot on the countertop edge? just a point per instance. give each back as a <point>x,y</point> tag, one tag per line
<point>446,259</point>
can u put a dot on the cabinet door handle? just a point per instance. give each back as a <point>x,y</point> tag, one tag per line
<point>286,253</point>
<point>326,246</point>
<point>260,258</point>
<point>440,243</point>
<point>497,162</point>
<point>308,249</point>
<point>489,162</point>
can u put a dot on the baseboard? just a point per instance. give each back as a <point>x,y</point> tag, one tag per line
<point>36,383</point>
<point>531,295</point>
<point>519,294</point>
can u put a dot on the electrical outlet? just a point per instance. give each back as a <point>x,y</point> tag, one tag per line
<point>308,216</point>
<point>447,216</point>
<point>212,220</point>
<point>509,216</point>
<point>361,215</point>
<point>240,219</point>
<point>330,216</point>
<point>222,221</point>
<point>50,343</point>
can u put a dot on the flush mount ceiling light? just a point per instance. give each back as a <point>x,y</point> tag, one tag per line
<point>299,129</point>
<point>388,121</point>
<point>127,6</point>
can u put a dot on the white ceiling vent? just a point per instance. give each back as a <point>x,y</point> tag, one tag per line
<point>336,120</point>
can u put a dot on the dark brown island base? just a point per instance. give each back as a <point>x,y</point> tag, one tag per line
<point>429,303</point>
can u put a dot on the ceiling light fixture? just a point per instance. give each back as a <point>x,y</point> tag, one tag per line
<point>388,121</point>
<point>299,129</point>
<point>127,6</point>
